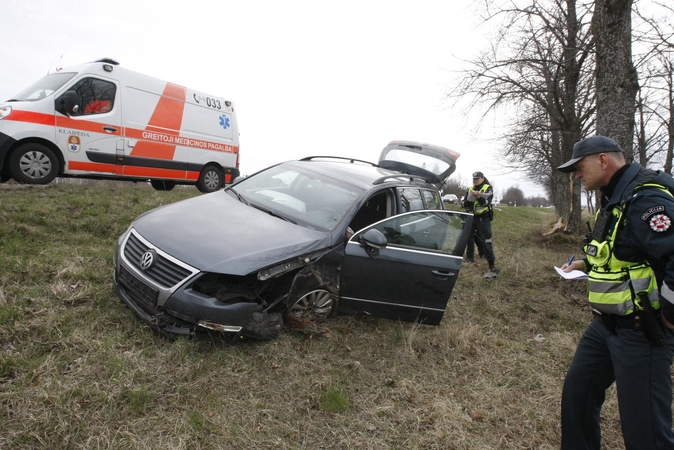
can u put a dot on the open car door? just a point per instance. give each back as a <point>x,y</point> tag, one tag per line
<point>405,267</point>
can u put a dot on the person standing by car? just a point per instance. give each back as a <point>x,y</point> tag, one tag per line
<point>630,265</point>
<point>478,201</point>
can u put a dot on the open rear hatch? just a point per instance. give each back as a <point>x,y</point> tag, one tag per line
<point>432,162</point>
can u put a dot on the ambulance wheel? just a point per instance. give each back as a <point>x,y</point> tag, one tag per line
<point>211,179</point>
<point>33,164</point>
<point>162,185</point>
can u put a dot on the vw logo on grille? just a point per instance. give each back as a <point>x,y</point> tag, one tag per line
<point>148,259</point>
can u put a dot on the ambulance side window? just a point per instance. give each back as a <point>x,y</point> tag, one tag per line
<point>95,96</point>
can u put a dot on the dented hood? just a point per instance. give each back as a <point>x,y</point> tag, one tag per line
<point>217,233</point>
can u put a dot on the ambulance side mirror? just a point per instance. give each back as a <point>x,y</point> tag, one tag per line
<point>67,103</point>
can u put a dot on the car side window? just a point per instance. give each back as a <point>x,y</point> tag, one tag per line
<point>410,199</point>
<point>376,208</point>
<point>432,199</point>
<point>95,96</point>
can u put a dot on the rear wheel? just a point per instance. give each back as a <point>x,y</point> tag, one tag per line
<point>210,179</point>
<point>313,305</point>
<point>163,185</point>
<point>33,164</point>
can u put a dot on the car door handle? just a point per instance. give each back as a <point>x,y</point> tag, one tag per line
<point>110,129</point>
<point>442,274</point>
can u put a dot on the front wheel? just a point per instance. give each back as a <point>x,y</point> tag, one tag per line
<point>211,179</point>
<point>313,305</point>
<point>33,164</point>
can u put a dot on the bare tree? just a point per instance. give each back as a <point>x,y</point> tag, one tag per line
<point>537,67</point>
<point>654,133</point>
<point>514,197</point>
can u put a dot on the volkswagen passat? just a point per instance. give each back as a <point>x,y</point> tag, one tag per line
<point>300,241</point>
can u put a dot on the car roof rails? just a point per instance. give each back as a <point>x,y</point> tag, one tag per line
<point>342,158</point>
<point>411,178</point>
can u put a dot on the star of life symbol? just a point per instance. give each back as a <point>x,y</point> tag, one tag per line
<point>74,144</point>
<point>660,223</point>
<point>224,121</point>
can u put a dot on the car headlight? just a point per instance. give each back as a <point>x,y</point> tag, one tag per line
<point>5,111</point>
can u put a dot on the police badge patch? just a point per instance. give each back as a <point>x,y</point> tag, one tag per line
<point>660,223</point>
<point>650,211</point>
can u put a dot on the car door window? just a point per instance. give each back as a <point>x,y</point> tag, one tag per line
<point>427,230</point>
<point>95,96</point>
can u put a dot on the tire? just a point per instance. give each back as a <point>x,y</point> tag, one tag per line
<point>211,179</point>
<point>314,305</point>
<point>163,185</point>
<point>33,164</point>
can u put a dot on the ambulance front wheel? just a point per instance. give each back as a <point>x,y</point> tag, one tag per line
<point>211,179</point>
<point>33,164</point>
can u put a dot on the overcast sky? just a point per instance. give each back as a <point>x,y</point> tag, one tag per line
<point>306,77</point>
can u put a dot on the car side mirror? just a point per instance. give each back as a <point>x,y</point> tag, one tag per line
<point>373,240</point>
<point>68,103</point>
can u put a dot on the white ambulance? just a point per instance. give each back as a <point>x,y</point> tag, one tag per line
<point>99,120</point>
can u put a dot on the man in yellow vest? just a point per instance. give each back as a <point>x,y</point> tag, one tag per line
<point>478,201</point>
<point>630,265</point>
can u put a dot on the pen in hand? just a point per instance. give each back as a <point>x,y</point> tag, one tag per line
<point>570,260</point>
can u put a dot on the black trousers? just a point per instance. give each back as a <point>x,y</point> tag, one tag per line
<point>643,384</point>
<point>481,235</point>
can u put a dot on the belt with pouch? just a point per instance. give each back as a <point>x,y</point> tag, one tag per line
<point>613,321</point>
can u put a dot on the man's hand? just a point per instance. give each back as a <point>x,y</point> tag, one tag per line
<point>576,265</point>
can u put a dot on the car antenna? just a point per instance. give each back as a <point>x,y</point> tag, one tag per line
<point>58,69</point>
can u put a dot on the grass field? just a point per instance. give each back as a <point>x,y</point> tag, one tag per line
<point>79,371</point>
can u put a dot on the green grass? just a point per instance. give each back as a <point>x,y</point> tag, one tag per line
<point>79,371</point>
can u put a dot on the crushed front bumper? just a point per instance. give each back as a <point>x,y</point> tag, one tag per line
<point>173,307</point>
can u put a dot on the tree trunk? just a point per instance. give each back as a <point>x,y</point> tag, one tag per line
<point>670,120</point>
<point>617,82</point>
<point>572,123</point>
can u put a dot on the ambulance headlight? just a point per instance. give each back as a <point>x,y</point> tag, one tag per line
<point>5,111</point>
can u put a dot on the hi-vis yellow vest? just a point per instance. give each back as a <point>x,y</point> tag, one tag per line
<point>614,285</point>
<point>480,209</point>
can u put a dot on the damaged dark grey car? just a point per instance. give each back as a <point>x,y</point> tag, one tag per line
<point>299,241</point>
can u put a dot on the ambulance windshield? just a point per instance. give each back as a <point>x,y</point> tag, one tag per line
<point>43,87</point>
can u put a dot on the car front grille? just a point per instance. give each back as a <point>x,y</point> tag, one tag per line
<point>164,272</point>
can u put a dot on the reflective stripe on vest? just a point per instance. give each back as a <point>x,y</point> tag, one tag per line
<point>613,284</point>
<point>480,209</point>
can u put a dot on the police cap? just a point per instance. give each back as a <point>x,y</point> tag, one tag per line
<point>590,146</point>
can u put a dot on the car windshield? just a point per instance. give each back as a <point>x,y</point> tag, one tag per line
<point>42,88</point>
<point>304,197</point>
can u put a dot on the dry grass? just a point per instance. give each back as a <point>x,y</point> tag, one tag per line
<point>79,371</point>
